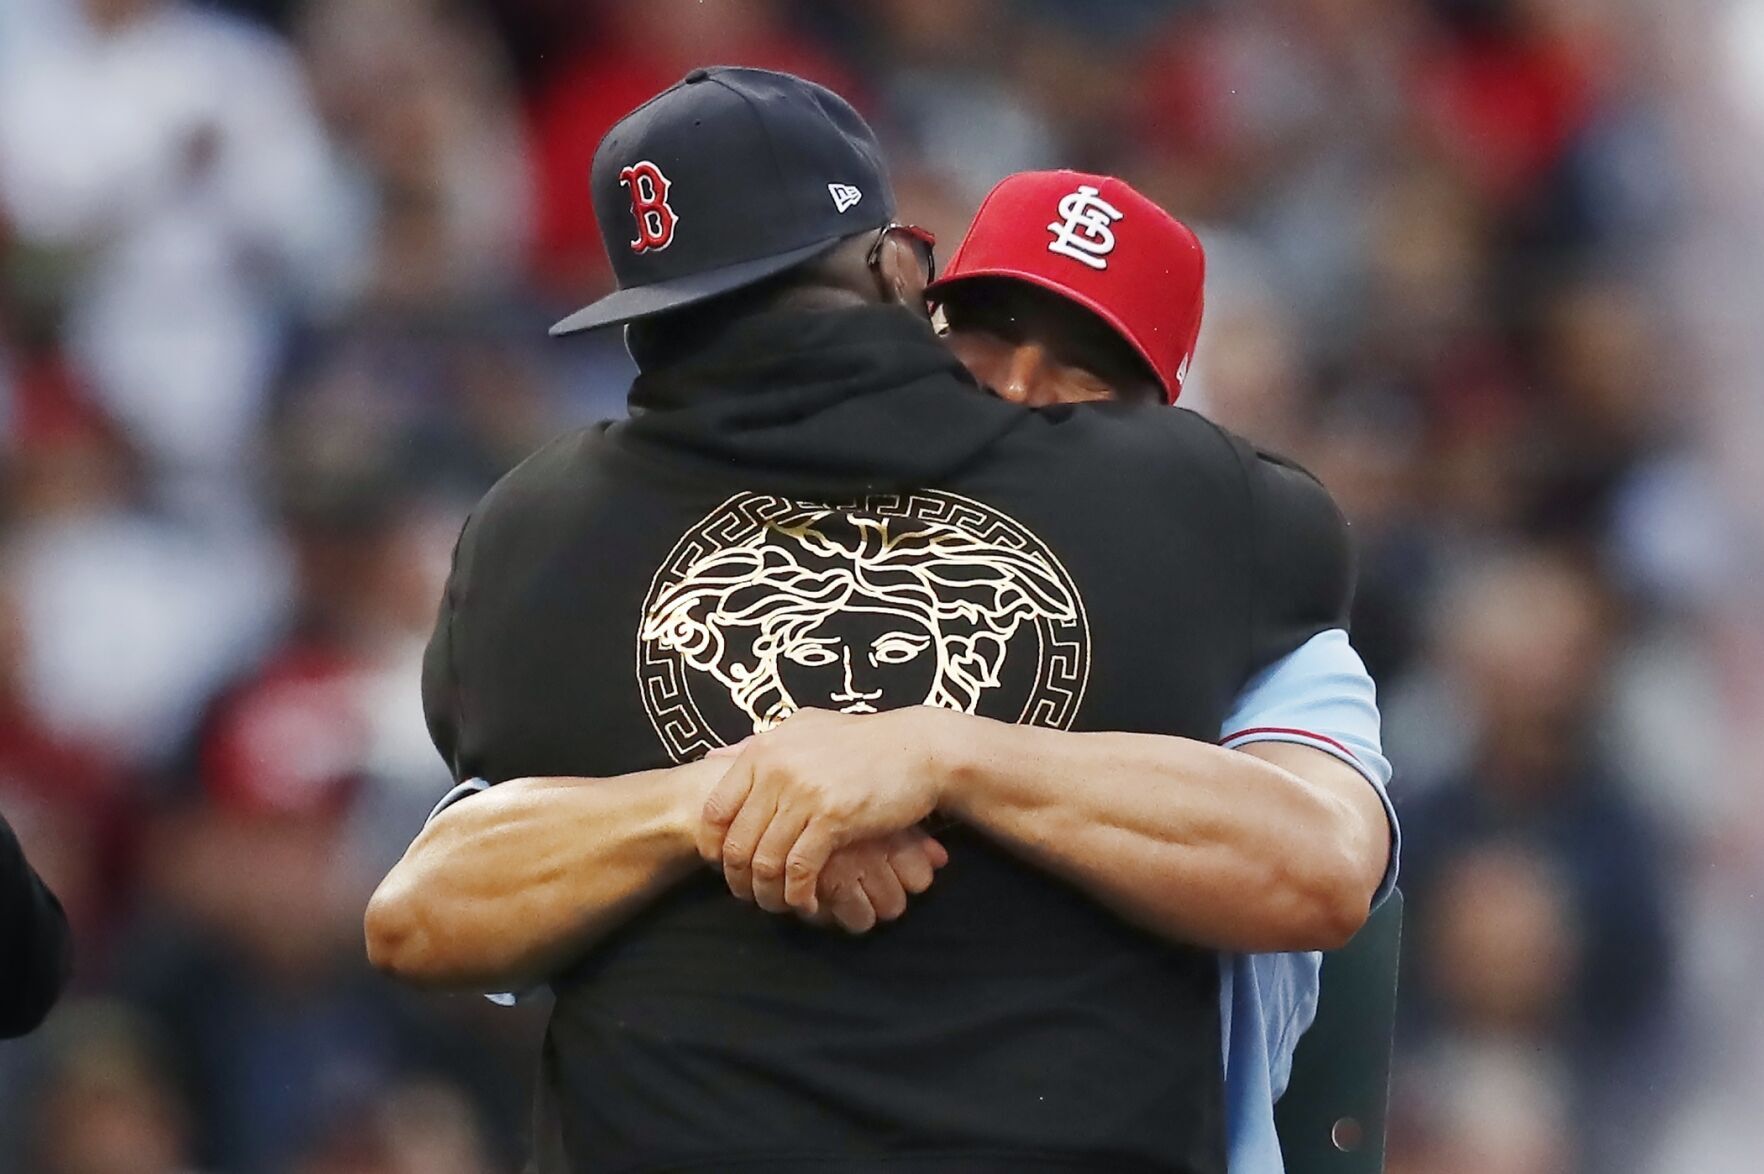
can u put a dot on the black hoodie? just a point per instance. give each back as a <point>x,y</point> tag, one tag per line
<point>823,510</point>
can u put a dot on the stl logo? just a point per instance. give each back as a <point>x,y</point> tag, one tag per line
<point>649,206</point>
<point>1085,235</point>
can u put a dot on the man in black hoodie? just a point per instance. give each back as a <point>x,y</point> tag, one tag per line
<point>35,950</point>
<point>813,507</point>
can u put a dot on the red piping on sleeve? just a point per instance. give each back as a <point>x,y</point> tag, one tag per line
<point>1282,730</point>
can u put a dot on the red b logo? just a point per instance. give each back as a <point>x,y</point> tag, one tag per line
<point>649,206</point>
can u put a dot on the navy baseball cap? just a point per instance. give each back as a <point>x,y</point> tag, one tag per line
<point>730,176</point>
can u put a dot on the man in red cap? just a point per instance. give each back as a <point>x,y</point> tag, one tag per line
<point>1122,324</point>
<point>1072,287</point>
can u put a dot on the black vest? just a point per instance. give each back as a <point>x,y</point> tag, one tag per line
<point>822,510</point>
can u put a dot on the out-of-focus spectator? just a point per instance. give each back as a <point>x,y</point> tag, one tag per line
<point>1276,115</point>
<point>1602,357</point>
<point>634,52</point>
<point>416,94</point>
<point>1368,448</point>
<point>1531,852</point>
<point>1484,1111</point>
<point>128,618</point>
<point>176,151</point>
<point>243,956</point>
<point>1429,313</point>
<point>422,1127</point>
<point>462,390</point>
<point>1501,899</point>
<point>68,802</point>
<point>1248,373</point>
<point>961,116</point>
<point>307,778</point>
<point>105,1101</point>
<point>1507,87</point>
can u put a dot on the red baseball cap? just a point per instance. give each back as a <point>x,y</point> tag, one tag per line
<point>1096,241</point>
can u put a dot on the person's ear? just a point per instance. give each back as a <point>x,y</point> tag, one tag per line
<point>900,276</point>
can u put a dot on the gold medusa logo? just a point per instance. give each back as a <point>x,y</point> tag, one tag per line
<point>771,605</point>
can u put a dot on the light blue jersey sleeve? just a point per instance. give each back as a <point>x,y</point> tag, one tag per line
<point>1319,696</point>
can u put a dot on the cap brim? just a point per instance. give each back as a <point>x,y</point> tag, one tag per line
<point>943,284</point>
<point>643,301</point>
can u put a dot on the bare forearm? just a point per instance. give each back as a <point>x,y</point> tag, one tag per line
<point>1199,844</point>
<point>501,889</point>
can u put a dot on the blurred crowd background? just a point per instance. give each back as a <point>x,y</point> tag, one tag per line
<point>274,278</point>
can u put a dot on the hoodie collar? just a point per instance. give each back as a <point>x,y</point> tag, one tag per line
<point>835,400</point>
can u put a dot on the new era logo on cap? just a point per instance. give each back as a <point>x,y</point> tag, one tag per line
<point>844,195</point>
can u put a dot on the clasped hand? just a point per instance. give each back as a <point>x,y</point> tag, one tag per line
<point>820,816</point>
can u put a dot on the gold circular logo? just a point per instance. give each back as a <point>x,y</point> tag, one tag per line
<point>770,605</point>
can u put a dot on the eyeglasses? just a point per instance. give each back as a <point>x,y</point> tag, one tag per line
<point>924,243</point>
